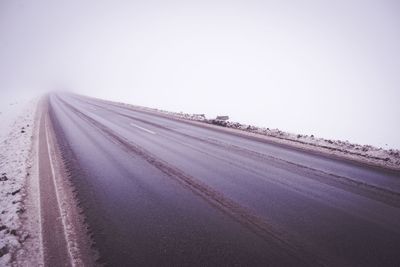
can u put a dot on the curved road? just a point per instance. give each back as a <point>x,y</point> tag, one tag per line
<point>160,191</point>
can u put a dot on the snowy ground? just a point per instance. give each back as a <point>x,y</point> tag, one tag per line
<point>10,109</point>
<point>387,158</point>
<point>16,124</point>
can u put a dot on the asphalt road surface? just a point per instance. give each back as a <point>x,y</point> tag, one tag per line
<point>157,191</point>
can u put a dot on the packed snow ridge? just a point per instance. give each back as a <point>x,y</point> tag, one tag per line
<point>15,164</point>
<point>387,158</point>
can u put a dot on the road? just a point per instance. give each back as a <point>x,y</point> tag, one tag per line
<point>161,191</point>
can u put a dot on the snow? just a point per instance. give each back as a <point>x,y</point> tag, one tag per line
<point>16,124</point>
<point>9,111</point>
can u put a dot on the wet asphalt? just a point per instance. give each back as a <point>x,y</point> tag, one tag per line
<point>157,191</point>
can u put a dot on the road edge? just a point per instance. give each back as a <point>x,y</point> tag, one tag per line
<point>79,244</point>
<point>84,253</point>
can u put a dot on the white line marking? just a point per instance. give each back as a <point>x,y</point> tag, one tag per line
<point>57,195</point>
<point>141,128</point>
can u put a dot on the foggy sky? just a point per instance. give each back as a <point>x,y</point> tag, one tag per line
<point>328,68</point>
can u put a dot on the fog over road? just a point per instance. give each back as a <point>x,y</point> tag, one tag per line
<point>161,191</point>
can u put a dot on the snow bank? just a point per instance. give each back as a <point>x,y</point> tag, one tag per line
<point>17,119</point>
<point>389,158</point>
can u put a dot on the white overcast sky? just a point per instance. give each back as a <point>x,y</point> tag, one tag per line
<point>328,68</point>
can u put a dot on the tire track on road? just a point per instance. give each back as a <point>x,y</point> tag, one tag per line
<point>257,225</point>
